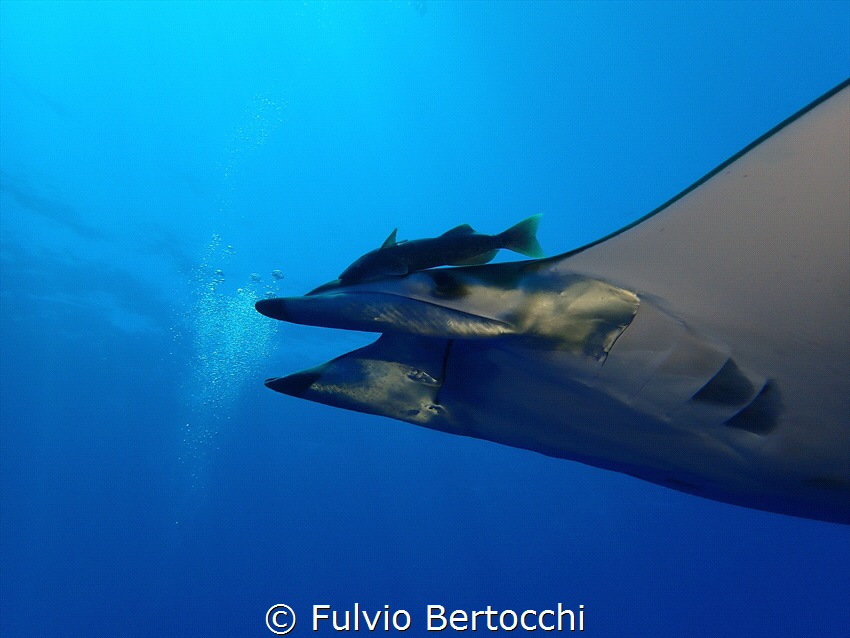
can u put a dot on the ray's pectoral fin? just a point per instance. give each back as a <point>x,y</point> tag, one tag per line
<point>704,348</point>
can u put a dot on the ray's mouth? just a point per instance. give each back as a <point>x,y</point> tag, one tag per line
<point>403,368</point>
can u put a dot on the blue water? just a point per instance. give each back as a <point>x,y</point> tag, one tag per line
<point>160,160</point>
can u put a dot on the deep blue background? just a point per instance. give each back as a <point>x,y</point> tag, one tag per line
<point>151,486</point>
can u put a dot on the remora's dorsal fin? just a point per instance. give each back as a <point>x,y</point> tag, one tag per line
<point>463,229</point>
<point>390,241</point>
<point>521,238</point>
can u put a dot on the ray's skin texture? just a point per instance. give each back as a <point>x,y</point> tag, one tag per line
<point>705,347</point>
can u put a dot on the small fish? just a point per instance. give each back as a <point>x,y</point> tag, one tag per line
<point>460,246</point>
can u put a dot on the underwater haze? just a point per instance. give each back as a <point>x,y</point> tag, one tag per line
<point>167,164</point>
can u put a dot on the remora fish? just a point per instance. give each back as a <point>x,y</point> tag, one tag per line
<point>705,347</point>
<point>460,246</point>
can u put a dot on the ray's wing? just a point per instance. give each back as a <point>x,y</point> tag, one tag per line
<point>756,256</point>
<point>704,348</point>
<point>760,245</point>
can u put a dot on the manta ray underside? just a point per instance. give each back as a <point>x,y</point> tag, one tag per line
<point>705,347</point>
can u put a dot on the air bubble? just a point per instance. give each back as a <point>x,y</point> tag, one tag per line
<point>230,339</point>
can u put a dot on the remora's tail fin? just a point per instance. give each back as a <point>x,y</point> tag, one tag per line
<point>521,238</point>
